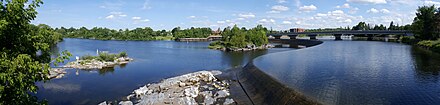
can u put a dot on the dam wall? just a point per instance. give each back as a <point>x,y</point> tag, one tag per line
<point>262,89</point>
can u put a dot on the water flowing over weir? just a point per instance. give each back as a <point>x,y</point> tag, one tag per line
<point>257,88</point>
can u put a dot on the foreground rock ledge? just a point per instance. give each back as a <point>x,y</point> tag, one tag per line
<point>190,89</point>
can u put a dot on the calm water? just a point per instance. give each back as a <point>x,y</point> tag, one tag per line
<point>358,72</point>
<point>154,60</point>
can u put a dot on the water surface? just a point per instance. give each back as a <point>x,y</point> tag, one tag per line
<point>153,61</point>
<point>358,72</point>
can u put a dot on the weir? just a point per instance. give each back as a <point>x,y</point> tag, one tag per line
<point>253,86</point>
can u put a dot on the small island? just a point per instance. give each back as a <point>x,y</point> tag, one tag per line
<point>237,39</point>
<point>88,62</point>
<point>103,60</point>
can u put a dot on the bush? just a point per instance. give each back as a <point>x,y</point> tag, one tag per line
<point>87,57</point>
<point>409,40</point>
<point>431,45</point>
<point>106,57</point>
<point>122,54</point>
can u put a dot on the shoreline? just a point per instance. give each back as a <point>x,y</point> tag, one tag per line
<point>201,87</point>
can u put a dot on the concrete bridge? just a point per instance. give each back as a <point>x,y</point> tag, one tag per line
<point>361,33</point>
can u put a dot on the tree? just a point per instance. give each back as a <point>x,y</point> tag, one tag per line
<point>424,23</point>
<point>20,64</point>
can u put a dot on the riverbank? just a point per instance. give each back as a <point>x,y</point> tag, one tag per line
<point>202,87</point>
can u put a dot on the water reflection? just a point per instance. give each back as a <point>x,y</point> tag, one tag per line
<point>358,72</point>
<point>153,61</point>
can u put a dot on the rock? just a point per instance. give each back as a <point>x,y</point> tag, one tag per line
<point>103,103</point>
<point>181,84</point>
<point>125,103</point>
<point>221,94</point>
<point>191,92</point>
<point>228,101</point>
<point>209,100</point>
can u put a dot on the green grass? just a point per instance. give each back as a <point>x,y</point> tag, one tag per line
<point>104,56</point>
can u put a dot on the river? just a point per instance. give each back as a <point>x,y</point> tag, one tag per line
<point>358,72</point>
<point>153,61</point>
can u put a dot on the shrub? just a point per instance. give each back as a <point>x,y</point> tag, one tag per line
<point>106,57</point>
<point>87,57</point>
<point>122,54</point>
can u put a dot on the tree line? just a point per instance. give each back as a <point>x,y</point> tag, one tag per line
<point>145,34</point>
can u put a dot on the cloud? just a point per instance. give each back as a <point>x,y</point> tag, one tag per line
<point>346,5</point>
<point>115,15</point>
<point>221,22</point>
<point>297,3</point>
<point>110,17</point>
<point>266,21</point>
<point>278,9</point>
<point>191,17</point>
<point>308,8</point>
<point>348,21</point>
<point>249,15</point>
<point>373,10</point>
<point>145,20</point>
<point>368,1</point>
<point>384,11</point>
<point>432,3</point>
<point>286,22</point>
<point>336,12</point>
<point>136,18</point>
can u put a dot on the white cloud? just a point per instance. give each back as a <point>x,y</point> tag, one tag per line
<point>353,10</point>
<point>145,20</point>
<point>384,11</point>
<point>308,8</point>
<point>337,12</point>
<point>346,5</point>
<point>373,10</point>
<point>249,15</point>
<point>136,18</point>
<point>348,21</point>
<point>368,1</point>
<point>266,21</point>
<point>221,22</point>
<point>278,9</point>
<point>110,17</point>
<point>287,22</point>
<point>191,17</point>
<point>432,3</point>
<point>321,15</point>
<point>123,15</point>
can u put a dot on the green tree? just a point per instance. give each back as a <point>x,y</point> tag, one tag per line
<point>424,23</point>
<point>20,64</point>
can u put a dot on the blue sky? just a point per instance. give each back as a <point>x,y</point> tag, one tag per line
<point>278,14</point>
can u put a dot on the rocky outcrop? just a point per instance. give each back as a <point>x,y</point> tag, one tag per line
<point>56,73</point>
<point>190,89</point>
<point>249,47</point>
<point>97,64</point>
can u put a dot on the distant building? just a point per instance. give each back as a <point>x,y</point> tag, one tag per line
<point>217,32</point>
<point>297,30</point>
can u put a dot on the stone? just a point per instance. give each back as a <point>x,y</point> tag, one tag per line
<point>221,94</point>
<point>103,103</point>
<point>191,92</point>
<point>228,101</point>
<point>125,103</point>
<point>181,84</point>
<point>209,100</point>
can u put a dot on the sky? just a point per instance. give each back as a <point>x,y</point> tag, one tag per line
<point>276,14</point>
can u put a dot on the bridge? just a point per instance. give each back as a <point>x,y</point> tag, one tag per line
<point>362,33</point>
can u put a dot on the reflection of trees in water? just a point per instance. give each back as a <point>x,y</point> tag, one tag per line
<point>240,58</point>
<point>104,71</point>
<point>427,63</point>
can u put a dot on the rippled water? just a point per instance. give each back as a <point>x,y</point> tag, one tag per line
<point>154,60</point>
<point>358,72</point>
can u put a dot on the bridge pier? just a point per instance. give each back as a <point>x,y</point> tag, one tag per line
<point>292,36</point>
<point>312,36</point>
<point>338,36</point>
<point>370,37</point>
